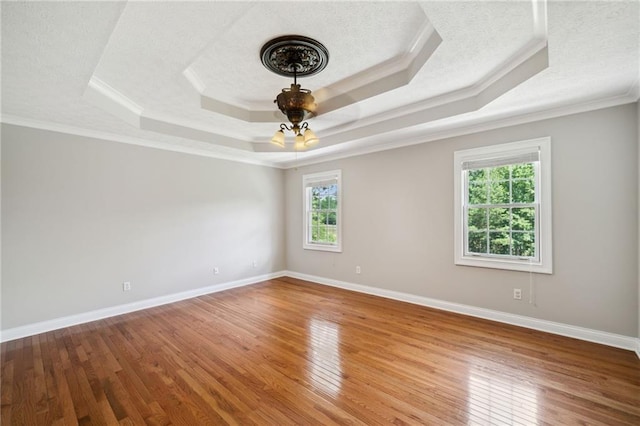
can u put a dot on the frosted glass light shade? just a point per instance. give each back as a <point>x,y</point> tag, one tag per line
<point>278,139</point>
<point>310,138</point>
<point>299,142</point>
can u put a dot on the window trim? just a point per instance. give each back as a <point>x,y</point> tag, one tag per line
<point>545,263</point>
<point>306,181</point>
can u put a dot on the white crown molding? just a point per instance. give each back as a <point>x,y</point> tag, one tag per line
<point>378,79</point>
<point>389,75</point>
<point>519,67</point>
<point>192,77</point>
<point>239,113</point>
<point>595,336</point>
<point>109,99</point>
<point>396,120</point>
<point>173,126</point>
<point>96,134</point>
<point>68,321</point>
<point>524,63</point>
<point>634,90</point>
<point>460,128</point>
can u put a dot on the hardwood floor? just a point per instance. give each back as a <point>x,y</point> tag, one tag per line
<point>290,352</point>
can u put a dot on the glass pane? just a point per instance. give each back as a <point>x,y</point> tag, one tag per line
<point>522,171</point>
<point>499,219</point>
<point>499,192</point>
<point>499,243</point>
<point>324,203</point>
<point>477,242</point>
<point>524,244</point>
<point>477,219</point>
<point>499,173</point>
<point>315,218</point>
<point>315,203</point>
<point>332,202</point>
<point>331,218</point>
<point>523,191</point>
<point>523,219</point>
<point>478,193</point>
<point>332,234</point>
<point>322,233</point>
<point>477,175</point>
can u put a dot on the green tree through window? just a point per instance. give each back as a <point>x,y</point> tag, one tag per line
<point>322,211</point>
<point>501,210</point>
<point>324,208</point>
<point>502,215</point>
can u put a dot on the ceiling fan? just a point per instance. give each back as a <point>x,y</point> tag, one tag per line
<point>295,56</point>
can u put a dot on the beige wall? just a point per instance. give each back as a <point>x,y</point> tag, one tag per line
<point>80,216</point>
<point>398,224</point>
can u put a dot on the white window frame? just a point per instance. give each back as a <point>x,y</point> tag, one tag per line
<point>544,262</point>
<point>308,181</point>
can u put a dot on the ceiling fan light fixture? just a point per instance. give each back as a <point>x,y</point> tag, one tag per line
<point>278,138</point>
<point>310,137</point>
<point>295,55</point>
<point>298,143</point>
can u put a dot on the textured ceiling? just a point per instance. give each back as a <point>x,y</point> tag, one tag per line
<point>187,76</point>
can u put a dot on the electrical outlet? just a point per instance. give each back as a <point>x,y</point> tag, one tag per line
<point>517,293</point>
<point>358,270</point>
<point>216,271</point>
<point>255,264</point>
<point>126,286</point>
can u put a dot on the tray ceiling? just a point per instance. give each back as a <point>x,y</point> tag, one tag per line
<point>187,76</point>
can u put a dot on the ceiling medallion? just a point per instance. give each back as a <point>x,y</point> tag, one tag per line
<point>295,56</point>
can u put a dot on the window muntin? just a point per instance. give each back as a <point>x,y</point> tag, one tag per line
<point>322,207</point>
<point>503,206</point>
<point>501,211</point>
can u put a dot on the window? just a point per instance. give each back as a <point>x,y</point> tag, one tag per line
<point>322,205</point>
<point>503,206</point>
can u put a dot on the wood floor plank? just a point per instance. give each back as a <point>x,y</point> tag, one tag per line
<point>287,351</point>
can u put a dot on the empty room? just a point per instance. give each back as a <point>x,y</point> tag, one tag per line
<point>288,213</point>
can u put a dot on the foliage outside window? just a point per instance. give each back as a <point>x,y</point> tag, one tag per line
<point>322,201</point>
<point>503,212</point>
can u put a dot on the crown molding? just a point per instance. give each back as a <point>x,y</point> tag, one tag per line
<point>524,63</point>
<point>388,75</point>
<point>511,73</point>
<point>115,102</point>
<point>456,128</point>
<point>511,76</point>
<point>192,77</point>
<point>103,95</point>
<point>97,134</point>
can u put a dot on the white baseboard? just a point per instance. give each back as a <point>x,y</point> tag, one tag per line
<point>55,324</point>
<point>602,337</point>
<point>596,336</point>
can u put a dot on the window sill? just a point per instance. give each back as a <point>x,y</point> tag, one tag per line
<point>511,265</point>
<point>321,247</point>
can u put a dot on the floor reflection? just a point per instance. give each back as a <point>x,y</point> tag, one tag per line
<point>325,361</point>
<point>500,401</point>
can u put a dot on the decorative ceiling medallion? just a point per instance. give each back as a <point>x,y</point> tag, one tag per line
<point>294,54</point>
